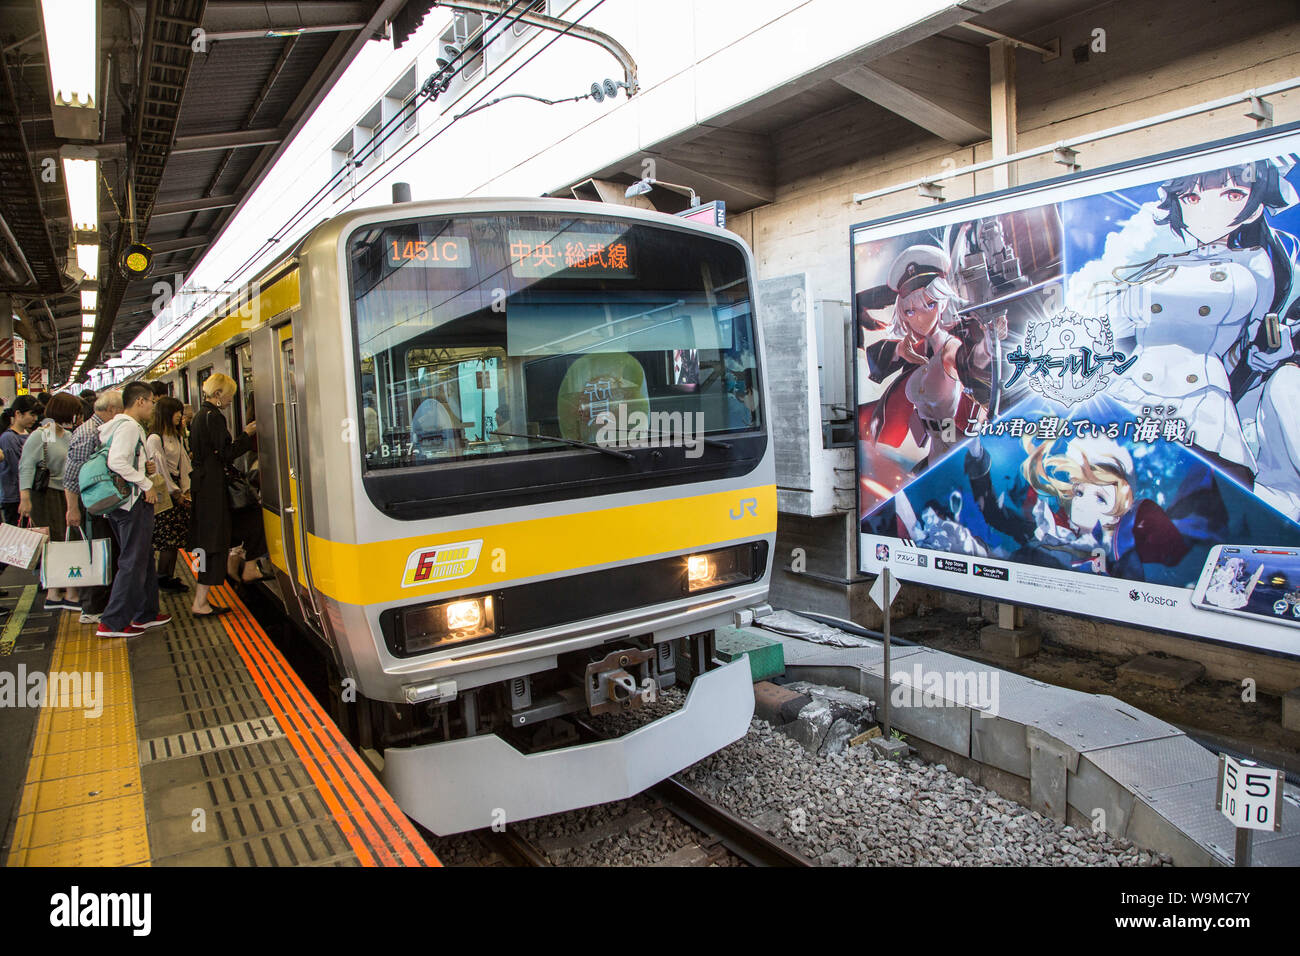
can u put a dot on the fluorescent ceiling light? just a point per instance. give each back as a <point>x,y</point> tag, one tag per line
<point>87,336</point>
<point>87,320</point>
<point>88,260</point>
<point>81,176</point>
<point>88,299</point>
<point>71,44</point>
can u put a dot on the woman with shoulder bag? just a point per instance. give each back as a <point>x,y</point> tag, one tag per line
<point>40,481</point>
<point>211,451</point>
<point>172,526</point>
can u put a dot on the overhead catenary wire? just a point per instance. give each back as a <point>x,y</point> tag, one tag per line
<point>436,82</point>
<point>430,90</point>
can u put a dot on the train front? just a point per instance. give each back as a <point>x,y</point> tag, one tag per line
<point>565,484</point>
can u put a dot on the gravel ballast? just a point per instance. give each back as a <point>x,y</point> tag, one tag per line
<point>855,809</point>
<point>850,808</point>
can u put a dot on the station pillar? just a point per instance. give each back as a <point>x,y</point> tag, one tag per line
<point>8,382</point>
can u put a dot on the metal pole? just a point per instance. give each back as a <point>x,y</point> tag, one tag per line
<point>886,686</point>
<point>1245,847</point>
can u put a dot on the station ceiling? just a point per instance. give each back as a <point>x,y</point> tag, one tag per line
<point>200,124</point>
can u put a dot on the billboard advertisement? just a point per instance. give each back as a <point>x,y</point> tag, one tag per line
<point>1084,395</point>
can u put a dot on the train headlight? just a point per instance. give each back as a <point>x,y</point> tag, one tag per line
<point>720,569</point>
<point>465,615</point>
<point>431,626</point>
<point>699,571</point>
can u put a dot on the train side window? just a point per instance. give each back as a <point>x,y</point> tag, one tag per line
<point>243,375</point>
<point>203,377</point>
<point>185,386</point>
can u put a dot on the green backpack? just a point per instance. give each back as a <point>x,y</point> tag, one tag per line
<point>102,489</point>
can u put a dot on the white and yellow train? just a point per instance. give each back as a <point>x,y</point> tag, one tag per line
<point>514,465</point>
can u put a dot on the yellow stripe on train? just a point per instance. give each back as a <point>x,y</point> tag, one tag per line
<point>494,555</point>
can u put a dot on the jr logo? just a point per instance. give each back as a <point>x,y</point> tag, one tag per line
<point>748,504</point>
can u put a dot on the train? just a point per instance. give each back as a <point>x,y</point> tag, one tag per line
<point>515,472</point>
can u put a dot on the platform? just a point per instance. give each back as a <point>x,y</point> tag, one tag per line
<point>1063,752</point>
<point>203,749</point>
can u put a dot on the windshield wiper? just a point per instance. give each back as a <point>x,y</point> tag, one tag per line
<point>626,456</point>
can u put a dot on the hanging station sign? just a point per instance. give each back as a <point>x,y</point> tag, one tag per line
<point>1084,395</point>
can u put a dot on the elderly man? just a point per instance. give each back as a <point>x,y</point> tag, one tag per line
<point>85,442</point>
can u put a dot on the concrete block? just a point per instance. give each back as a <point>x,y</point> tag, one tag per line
<point>778,705</point>
<point>1162,673</point>
<point>1022,642</point>
<point>811,727</point>
<point>1291,709</point>
<point>890,748</point>
<point>766,655</point>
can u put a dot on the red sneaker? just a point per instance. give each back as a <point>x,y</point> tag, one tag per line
<point>159,621</point>
<point>130,630</point>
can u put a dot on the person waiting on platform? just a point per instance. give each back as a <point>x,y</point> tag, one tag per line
<point>133,601</point>
<point>40,481</point>
<point>212,451</point>
<point>187,416</point>
<point>22,418</point>
<point>167,452</point>
<point>85,442</point>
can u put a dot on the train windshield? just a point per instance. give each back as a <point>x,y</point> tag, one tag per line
<point>489,336</point>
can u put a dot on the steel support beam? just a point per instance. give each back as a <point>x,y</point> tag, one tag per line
<point>202,204</point>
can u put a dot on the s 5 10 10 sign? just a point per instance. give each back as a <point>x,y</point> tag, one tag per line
<point>1250,796</point>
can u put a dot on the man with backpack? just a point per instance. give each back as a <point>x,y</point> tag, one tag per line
<point>85,442</point>
<point>133,601</point>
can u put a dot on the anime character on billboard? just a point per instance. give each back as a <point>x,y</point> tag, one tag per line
<point>1232,584</point>
<point>1214,325</point>
<point>944,357</point>
<point>1081,509</point>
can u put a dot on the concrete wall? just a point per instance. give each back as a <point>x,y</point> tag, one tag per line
<point>1161,55</point>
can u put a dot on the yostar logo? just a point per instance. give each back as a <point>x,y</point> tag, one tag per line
<point>1149,598</point>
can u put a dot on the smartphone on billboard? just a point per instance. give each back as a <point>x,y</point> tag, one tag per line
<point>1251,582</point>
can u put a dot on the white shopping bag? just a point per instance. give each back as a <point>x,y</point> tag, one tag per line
<point>86,563</point>
<point>21,547</point>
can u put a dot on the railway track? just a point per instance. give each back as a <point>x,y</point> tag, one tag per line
<point>709,836</point>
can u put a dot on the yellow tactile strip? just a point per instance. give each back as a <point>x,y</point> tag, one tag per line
<point>83,803</point>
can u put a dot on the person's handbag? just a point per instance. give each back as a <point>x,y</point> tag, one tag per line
<point>164,496</point>
<point>22,546</point>
<point>102,489</point>
<point>77,564</point>
<point>41,478</point>
<point>239,491</point>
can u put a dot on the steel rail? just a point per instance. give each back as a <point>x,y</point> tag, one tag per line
<point>740,837</point>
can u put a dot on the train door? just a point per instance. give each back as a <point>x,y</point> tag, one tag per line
<point>243,409</point>
<point>297,560</point>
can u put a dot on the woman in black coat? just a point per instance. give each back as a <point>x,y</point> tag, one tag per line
<point>211,451</point>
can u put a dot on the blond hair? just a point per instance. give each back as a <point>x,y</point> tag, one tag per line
<point>219,384</point>
<point>1058,475</point>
